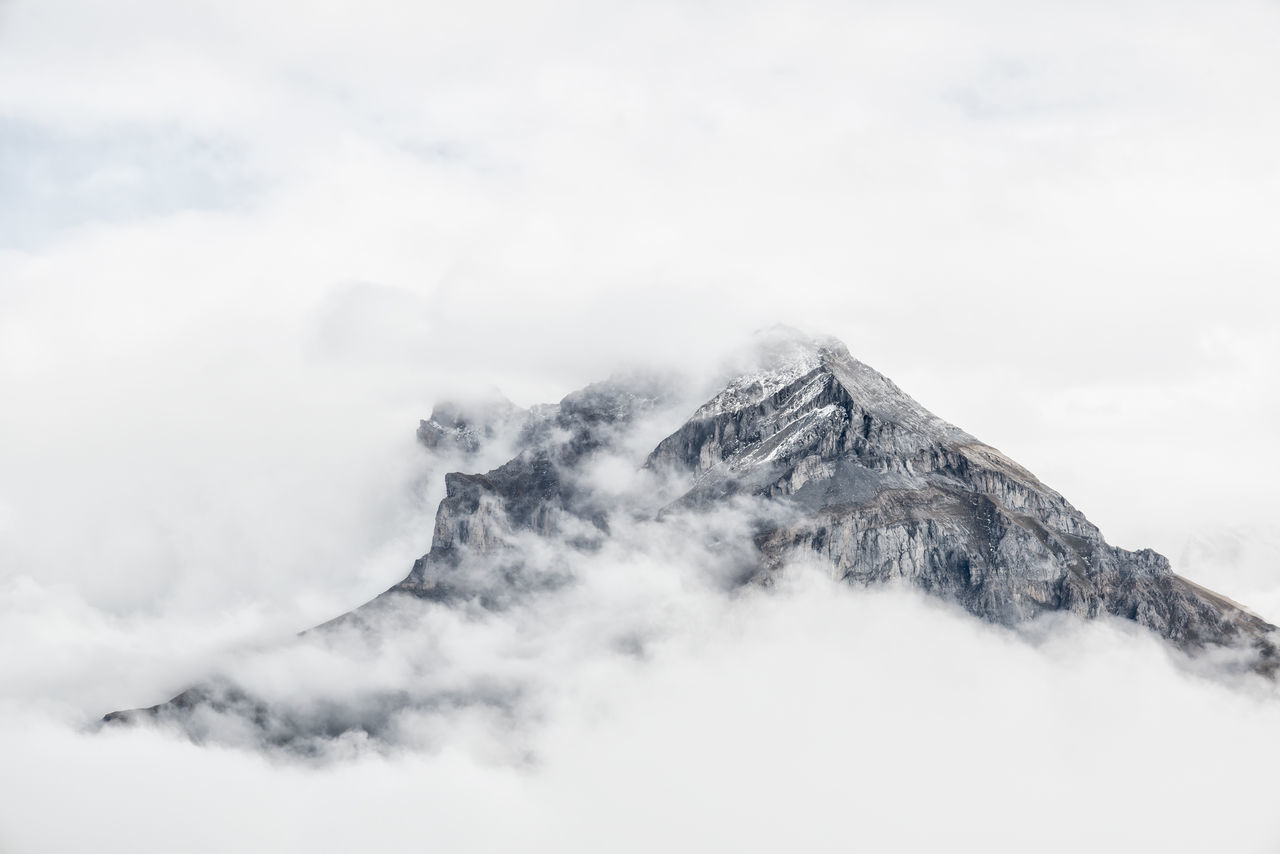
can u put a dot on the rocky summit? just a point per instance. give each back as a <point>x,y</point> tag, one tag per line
<point>831,463</point>
<point>867,480</point>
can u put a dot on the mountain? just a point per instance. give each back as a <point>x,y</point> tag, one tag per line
<point>828,461</point>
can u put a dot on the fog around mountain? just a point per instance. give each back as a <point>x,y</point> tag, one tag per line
<point>245,247</point>
<point>646,704</point>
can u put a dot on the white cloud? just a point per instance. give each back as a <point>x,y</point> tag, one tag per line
<point>284,229</point>
<point>818,717</point>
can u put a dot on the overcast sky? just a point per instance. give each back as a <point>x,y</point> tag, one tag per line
<point>244,246</point>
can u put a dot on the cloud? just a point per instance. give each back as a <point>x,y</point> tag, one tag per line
<point>816,715</point>
<point>250,244</point>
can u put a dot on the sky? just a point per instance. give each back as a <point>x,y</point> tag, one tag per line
<point>244,247</point>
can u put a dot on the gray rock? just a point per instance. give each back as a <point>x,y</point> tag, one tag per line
<point>882,489</point>
<point>864,479</point>
<point>536,491</point>
<point>466,426</point>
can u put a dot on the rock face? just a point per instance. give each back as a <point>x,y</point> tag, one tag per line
<point>462,427</point>
<point>861,477</point>
<point>537,491</point>
<point>882,489</point>
<point>837,465</point>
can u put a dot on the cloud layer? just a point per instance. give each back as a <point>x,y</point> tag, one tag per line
<point>245,246</point>
<point>816,716</point>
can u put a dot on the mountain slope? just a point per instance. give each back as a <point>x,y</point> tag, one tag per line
<point>888,490</point>
<point>829,462</point>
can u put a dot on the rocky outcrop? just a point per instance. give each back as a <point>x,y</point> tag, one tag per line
<point>881,489</point>
<point>463,427</point>
<point>538,491</point>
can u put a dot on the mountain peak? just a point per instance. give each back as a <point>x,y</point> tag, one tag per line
<point>819,459</point>
<point>794,374</point>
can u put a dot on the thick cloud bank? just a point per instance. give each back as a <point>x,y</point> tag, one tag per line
<point>814,716</point>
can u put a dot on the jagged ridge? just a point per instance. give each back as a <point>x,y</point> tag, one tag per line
<point>855,474</point>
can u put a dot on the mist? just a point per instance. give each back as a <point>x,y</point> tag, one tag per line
<point>814,715</point>
<point>245,247</point>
